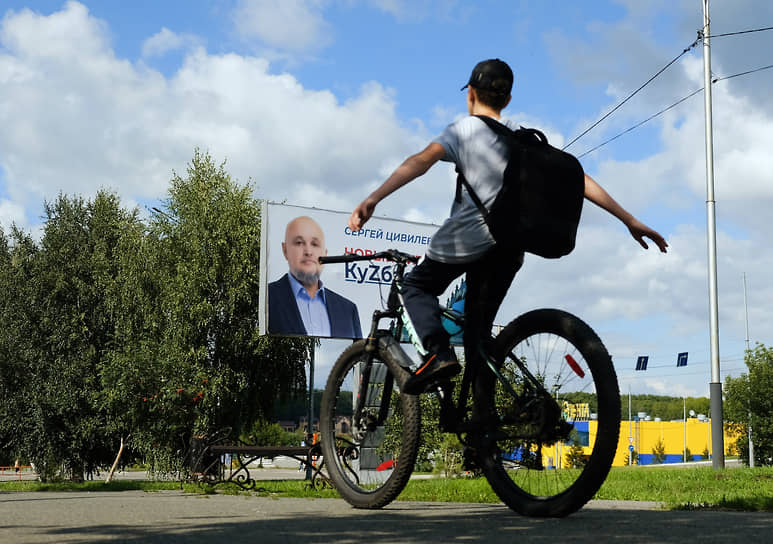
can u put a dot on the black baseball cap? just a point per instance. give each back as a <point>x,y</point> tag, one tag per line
<point>491,75</point>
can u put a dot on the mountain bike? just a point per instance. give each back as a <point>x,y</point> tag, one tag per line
<point>540,420</point>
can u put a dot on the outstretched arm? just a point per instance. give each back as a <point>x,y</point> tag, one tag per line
<point>413,167</point>
<point>596,194</point>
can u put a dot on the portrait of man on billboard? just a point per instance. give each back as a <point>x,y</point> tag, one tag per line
<point>298,302</point>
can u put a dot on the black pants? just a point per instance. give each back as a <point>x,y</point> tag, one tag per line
<point>488,279</point>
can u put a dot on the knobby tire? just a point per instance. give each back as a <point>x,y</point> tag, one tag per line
<point>346,452</point>
<point>514,466</point>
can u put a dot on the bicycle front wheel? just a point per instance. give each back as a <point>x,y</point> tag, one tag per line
<point>557,406</point>
<point>370,432</point>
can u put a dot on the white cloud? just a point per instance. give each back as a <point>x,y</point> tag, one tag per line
<point>69,32</point>
<point>404,10</point>
<point>10,213</point>
<point>295,26</point>
<point>84,119</point>
<point>611,281</point>
<point>413,11</point>
<point>165,41</point>
<point>668,387</point>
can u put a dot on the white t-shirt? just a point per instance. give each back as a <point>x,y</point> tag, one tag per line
<point>482,157</point>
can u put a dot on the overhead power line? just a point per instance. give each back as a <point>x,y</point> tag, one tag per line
<point>664,110</point>
<point>761,68</point>
<point>613,110</point>
<point>637,125</point>
<point>685,51</point>
<point>740,32</point>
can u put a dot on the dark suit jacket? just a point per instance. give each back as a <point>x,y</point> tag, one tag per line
<point>284,317</point>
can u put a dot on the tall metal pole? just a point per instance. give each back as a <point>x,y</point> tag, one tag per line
<point>630,436</point>
<point>684,430</point>
<point>715,387</point>
<point>310,426</point>
<point>746,312</point>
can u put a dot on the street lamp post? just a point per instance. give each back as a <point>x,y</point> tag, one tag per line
<point>748,396</point>
<point>684,443</point>
<point>630,436</point>
<point>715,387</point>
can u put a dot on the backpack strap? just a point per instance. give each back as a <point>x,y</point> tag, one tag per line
<point>496,126</point>
<point>500,130</point>
<point>461,180</point>
<point>521,135</point>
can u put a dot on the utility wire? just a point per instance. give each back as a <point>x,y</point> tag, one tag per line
<point>740,32</point>
<point>634,375</point>
<point>613,110</point>
<point>693,364</point>
<point>687,49</point>
<point>664,110</point>
<point>761,68</point>
<point>648,119</point>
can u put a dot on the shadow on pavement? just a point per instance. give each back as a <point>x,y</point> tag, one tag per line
<point>172,518</point>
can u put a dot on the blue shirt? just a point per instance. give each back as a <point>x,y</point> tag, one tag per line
<point>313,310</point>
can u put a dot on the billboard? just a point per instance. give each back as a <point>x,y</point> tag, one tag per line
<point>292,237</point>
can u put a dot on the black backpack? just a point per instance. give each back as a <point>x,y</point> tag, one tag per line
<point>539,206</point>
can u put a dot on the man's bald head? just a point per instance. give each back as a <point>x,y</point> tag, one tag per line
<point>303,245</point>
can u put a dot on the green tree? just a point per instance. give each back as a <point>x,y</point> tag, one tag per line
<point>449,457</point>
<point>264,433</point>
<point>664,407</point>
<point>190,360</point>
<point>631,458</point>
<point>114,328</point>
<point>17,255</point>
<point>659,452</point>
<point>749,400</point>
<point>63,330</point>
<point>575,457</point>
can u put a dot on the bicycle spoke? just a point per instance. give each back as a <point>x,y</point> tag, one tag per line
<point>370,432</point>
<point>547,455</point>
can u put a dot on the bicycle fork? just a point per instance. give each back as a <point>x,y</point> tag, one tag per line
<point>377,341</point>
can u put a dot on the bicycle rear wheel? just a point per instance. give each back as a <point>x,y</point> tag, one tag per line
<point>551,449</point>
<point>370,432</point>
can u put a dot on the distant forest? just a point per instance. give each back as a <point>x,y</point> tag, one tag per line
<point>666,408</point>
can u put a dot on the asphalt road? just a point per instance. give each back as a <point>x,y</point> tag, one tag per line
<point>176,517</point>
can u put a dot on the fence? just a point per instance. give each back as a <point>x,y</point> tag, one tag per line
<point>7,473</point>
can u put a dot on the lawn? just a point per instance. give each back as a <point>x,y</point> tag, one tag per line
<point>748,489</point>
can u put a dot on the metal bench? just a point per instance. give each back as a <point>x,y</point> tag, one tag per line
<point>207,453</point>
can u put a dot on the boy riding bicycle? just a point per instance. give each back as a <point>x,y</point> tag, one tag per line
<point>463,244</point>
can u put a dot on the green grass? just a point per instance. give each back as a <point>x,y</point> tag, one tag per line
<point>676,488</point>
<point>695,487</point>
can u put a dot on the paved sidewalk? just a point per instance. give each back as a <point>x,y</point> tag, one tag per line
<point>175,517</point>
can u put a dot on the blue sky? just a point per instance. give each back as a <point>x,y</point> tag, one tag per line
<point>316,101</point>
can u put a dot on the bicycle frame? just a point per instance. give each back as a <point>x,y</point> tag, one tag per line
<point>505,420</point>
<point>451,416</point>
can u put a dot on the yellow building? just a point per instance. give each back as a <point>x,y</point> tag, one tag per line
<point>644,437</point>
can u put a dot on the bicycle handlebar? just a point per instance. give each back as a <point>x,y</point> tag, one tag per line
<point>390,255</point>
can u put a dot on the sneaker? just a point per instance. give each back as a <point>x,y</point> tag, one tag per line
<point>437,367</point>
